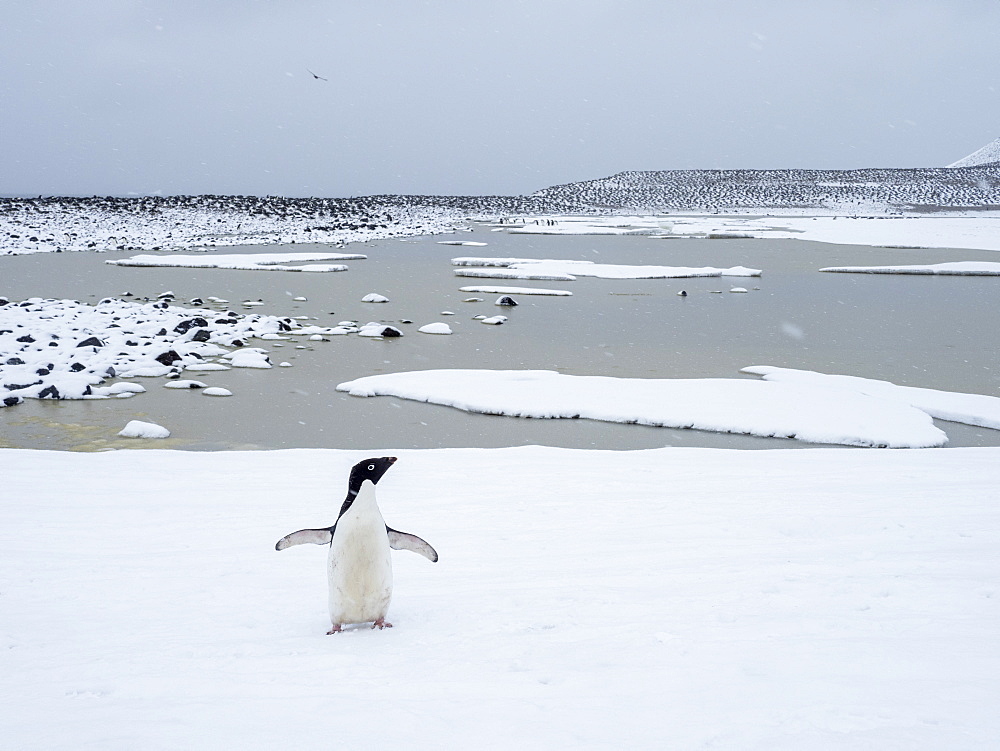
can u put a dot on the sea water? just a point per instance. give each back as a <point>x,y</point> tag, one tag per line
<point>925,331</point>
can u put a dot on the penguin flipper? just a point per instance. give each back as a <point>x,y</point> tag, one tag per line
<point>314,536</point>
<point>405,541</point>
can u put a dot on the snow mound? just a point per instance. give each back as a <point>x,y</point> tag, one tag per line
<point>435,328</point>
<point>987,155</point>
<point>805,411</point>
<point>374,297</point>
<point>140,429</point>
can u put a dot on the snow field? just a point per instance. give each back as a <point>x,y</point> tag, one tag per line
<point>672,598</point>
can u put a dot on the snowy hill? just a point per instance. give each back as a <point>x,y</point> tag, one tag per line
<point>33,225</point>
<point>850,191</point>
<point>989,154</point>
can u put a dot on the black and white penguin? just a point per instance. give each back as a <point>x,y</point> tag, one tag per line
<point>359,565</point>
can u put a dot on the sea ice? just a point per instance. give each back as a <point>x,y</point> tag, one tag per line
<point>954,268</point>
<point>526,268</point>
<point>805,411</point>
<point>492,289</point>
<point>243,261</point>
<point>435,328</point>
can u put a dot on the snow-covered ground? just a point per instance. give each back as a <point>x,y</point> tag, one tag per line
<point>799,404</point>
<point>671,598</point>
<point>183,222</point>
<point>926,231</point>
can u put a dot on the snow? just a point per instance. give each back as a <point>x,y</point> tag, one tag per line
<point>184,384</point>
<point>140,429</point>
<point>244,261</point>
<point>988,154</point>
<point>494,289</point>
<point>978,231</point>
<point>492,321</point>
<point>953,268</point>
<point>217,391</point>
<point>671,598</point>
<point>525,268</point>
<point>65,349</point>
<point>374,297</point>
<point>972,409</point>
<point>471,243</point>
<point>815,411</point>
<point>435,328</point>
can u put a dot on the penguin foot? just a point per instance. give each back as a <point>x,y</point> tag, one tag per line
<point>381,623</point>
<point>335,630</point>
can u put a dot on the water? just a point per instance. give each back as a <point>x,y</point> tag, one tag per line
<point>936,332</point>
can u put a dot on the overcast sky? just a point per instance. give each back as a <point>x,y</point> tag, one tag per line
<point>470,97</point>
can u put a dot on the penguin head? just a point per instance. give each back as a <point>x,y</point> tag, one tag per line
<point>370,469</point>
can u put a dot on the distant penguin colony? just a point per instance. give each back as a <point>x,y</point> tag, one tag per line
<point>359,566</point>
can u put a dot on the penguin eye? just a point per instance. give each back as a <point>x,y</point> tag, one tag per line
<point>371,467</point>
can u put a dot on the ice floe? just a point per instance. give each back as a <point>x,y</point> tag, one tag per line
<point>972,409</point>
<point>217,391</point>
<point>556,270</point>
<point>954,268</point>
<point>805,408</point>
<point>242,261</point>
<point>435,328</point>
<point>493,320</point>
<point>374,297</point>
<point>140,429</point>
<point>493,289</point>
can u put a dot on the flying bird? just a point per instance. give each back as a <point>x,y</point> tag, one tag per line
<point>318,78</point>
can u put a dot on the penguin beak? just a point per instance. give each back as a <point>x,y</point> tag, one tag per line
<point>391,459</point>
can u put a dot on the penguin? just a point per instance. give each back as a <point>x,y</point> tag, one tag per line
<point>358,565</point>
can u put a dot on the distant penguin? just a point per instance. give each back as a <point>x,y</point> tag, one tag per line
<point>359,565</point>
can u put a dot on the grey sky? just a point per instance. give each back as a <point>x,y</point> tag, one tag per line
<point>468,97</point>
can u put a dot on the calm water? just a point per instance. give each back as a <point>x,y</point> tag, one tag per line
<point>925,331</point>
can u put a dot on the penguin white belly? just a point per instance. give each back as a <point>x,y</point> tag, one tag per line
<point>359,565</point>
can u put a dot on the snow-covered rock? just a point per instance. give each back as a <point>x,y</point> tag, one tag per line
<point>140,429</point>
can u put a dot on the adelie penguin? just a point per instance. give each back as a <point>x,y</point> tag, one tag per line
<point>359,564</point>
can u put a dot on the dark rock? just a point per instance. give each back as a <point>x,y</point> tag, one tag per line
<point>77,367</point>
<point>26,339</point>
<point>167,358</point>
<point>201,335</point>
<point>10,401</point>
<point>49,392</point>
<point>15,361</point>
<point>91,342</point>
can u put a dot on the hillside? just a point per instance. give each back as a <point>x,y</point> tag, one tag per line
<point>989,154</point>
<point>849,191</point>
